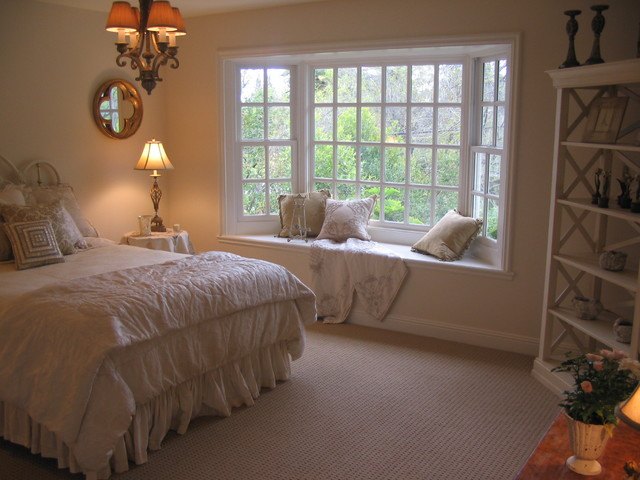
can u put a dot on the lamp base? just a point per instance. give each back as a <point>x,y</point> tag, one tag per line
<point>156,224</point>
<point>584,467</point>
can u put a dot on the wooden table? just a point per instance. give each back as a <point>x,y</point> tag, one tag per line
<point>548,460</point>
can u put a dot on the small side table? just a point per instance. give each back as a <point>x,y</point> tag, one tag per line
<point>168,241</point>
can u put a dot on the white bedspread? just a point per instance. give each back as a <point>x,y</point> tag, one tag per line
<point>77,356</point>
<point>369,269</point>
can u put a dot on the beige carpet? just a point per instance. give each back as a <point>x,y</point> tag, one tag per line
<point>362,404</point>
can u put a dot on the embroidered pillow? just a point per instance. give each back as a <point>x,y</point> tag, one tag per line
<point>450,237</point>
<point>64,194</point>
<point>66,232</point>
<point>34,244</point>
<point>344,219</point>
<point>314,206</point>
<point>9,195</point>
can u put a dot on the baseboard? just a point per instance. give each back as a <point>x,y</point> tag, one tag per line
<point>446,331</point>
<point>542,372</point>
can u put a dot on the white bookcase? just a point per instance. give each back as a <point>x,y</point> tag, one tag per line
<point>579,230</point>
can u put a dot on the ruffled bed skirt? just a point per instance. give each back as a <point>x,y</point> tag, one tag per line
<point>214,393</point>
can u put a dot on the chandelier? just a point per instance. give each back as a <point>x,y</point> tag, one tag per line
<point>147,37</point>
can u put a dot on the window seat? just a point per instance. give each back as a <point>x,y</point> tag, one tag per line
<point>468,265</point>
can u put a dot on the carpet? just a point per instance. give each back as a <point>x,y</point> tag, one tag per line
<point>362,403</point>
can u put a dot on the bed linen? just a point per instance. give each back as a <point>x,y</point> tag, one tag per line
<point>159,344</point>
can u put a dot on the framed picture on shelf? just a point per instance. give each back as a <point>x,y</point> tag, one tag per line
<point>604,120</point>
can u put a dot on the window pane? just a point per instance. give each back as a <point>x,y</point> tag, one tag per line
<point>420,167</point>
<point>479,172</point>
<point>346,162</point>
<point>280,162</point>
<point>500,127</point>
<point>252,85</point>
<point>422,125</point>
<point>450,83</point>
<point>323,161</point>
<point>252,123</point>
<point>347,85</point>
<point>488,81</point>
<point>275,190</point>
<point>445,201</point>
<point>347,125</point>
<point>422,78</point>
<point>492,219</point>
<point>486,126</point>
<point>371,84</point>
<point>478,207</point>
<point>394,204</point>
<point>253,162</point>
<point>397,84</point>
<point>494,174</point>
<point>370,119</point>
<point>278,85</point>
<point>324,123</point>
<point>396,124</point>
<point>394,164</point>
<point>279,123</point>
<point>254,199</point>
<point>368,191</point>
<point>370,163</point>
<point>502,80</point>
<point>449,126</point>
<point>323,186</point>
<point>323,85</point>
<point>419,207</point>
<point>448,167</point>
<point>346,191</point>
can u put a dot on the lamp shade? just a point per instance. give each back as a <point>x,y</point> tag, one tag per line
<point>180,28</point>
<point>161,17</point>
<point>153,157</point>
<point>122,18</point>
<point>629,411</point>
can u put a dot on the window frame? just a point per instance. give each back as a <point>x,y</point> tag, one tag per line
<point>297,58</point>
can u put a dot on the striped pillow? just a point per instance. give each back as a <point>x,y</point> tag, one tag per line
<point>33,243</point>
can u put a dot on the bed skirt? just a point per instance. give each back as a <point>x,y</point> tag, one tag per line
<point>214,393</point>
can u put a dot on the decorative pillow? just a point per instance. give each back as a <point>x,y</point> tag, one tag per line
<point>34,244</point>
<point>64,194</point>
<point>9,195</point>
<point>67,234</point>
<point>313,210</point>
<point>450,237</point>
<point>344,219</point>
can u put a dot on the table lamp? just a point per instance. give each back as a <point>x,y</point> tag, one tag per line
<point>154,158</point>
<point>629,413</point>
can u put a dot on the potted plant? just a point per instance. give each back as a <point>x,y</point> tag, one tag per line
<point>600,382</point>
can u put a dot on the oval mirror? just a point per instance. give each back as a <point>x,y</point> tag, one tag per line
<point>117,109</point>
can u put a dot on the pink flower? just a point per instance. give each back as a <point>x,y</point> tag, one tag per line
<point>586,386</point>
<point>613,355</point>
<point>598,366</point>
<point>593,357</point>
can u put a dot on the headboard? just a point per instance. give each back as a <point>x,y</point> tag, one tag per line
<point>35,173</point>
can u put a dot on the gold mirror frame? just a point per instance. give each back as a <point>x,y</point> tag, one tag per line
<point>128,118</point>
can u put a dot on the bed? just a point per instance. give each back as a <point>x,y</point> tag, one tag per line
<point>103,354</point>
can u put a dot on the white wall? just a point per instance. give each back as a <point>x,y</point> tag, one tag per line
<point>54,58</point>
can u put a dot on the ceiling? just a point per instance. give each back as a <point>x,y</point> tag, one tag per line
<point>188,8</point>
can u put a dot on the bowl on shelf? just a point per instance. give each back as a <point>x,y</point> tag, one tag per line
<point>613,260</point>
<point>586,308</point>
<point>622,329</point>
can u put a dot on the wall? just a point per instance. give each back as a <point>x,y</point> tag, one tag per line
<point>53,60</point>
<point>486,310</point>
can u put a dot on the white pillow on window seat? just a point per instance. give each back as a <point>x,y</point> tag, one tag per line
<point>450,237</point>
<point>344,219</point>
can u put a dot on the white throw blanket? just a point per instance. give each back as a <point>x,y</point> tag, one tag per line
<point>369,269</point>
<point>79,355</point>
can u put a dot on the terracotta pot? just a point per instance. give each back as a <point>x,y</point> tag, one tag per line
<point>587,444</point>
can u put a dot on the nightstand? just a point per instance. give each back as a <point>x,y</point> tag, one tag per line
<point>168,241</point>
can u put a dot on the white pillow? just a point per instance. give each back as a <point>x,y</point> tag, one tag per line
<point>450,237</point>
<point>344,219</point>
<point>9,195</point>
<point>34,244</point>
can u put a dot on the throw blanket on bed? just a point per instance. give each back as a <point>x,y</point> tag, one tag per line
<point>77,356</point>
<point>374,272</point>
